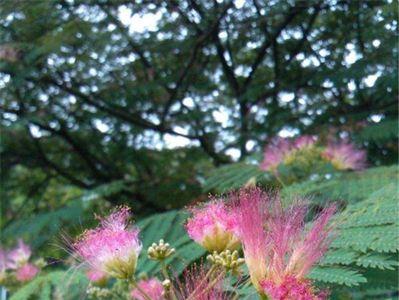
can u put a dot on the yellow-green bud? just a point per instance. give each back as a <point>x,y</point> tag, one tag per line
<point>227,259</point>
<point>160,251</point>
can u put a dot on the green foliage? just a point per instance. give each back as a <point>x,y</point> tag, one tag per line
<point>68,285</point>
<point>368,239</point>
<point>340,275</point>
<point>347,187</point>
<point>232,176</point>
<point>383,131</point>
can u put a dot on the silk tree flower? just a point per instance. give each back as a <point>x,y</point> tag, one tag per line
<point>213,226</point>
<point>275,152</point>
<point>152,288</point>
<point>26,272</point>
<point>251,207</point>
<point>113,247</point>
<point>278,249</point>
<point>345,156</point>
<point>282,150</point>
<point>18,256</point>
<point>292,289</point>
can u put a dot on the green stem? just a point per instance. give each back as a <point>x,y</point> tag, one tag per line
<point>164,270</point>
<point>279,179</point>
<point>165,274</point>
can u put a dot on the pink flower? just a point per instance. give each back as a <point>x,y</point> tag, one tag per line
<point>252,212</point>
<point>97,277</point>
<point>113,247</point>
<point>152,288</point>
<point>292,289</point>
<point>344,156</point>
<point>280,150</point>
<point>275,152</point>
<point>275,242</point>
<point>26,272</point>
<point>213,226</point>
<point>19,255</point>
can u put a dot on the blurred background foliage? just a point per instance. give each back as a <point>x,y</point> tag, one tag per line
<point>156,103</point>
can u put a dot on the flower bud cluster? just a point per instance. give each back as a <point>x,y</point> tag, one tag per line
<point>227,259</point>
<point>96,292</point>
<point>306,151</point>
<point>160,251</point>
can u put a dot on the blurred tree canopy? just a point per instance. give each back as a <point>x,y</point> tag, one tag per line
<point>91,96</point>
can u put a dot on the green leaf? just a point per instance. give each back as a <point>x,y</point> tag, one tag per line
<point>63,284</point>
<point>337,275</point>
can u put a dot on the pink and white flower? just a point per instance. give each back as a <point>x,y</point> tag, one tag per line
<point>252,213</point>
<point>292,289</point>
<point>19,255</point>
<point>152,288</point>
<point>26,272</point>
<point>279,251</point>
<point>213,226</point>
<point>113,247</point>
<point>281,149</point>
<point>275,152</point>
<point>345,156</point>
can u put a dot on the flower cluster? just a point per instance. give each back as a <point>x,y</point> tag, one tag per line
<point>213,226</point>
<point>344,156</point>
<point>278,250</point>
<point>17,261</point>
<point>305,149</point>
<point>113,247</point>
<point>281,150</point>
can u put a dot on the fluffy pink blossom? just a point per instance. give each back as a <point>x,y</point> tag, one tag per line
<point>280,149</point>
<point>252,212</point>
<point>19,255</point>
<point>26,272</point>
<point>152,288</point>
<point>213,226</point>
<point>292,289</point>
<point>96,276</point>
<point>275,242</point>
<point>345,156</point>
<point>275,152</point>
<point>113,247</point>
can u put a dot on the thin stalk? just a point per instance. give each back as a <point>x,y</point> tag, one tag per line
<point>209,273</point>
